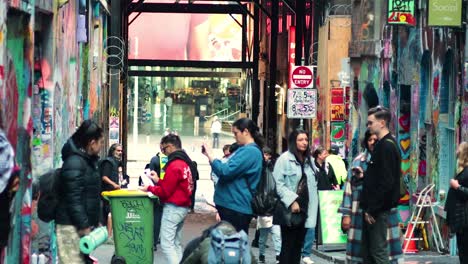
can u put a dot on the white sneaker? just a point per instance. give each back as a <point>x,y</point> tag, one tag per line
<point>307,260</point>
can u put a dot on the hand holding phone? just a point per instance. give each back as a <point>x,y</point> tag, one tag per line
<point>203,149</point>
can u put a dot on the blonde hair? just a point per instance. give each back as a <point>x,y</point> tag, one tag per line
<point>462,152</point>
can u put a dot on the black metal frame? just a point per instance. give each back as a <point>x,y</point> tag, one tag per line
<point>193,64</point>
<point>208,74</point>
<point>142,7</point>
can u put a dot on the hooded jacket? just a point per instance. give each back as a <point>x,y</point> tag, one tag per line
<point>79,188</point>
<point>177,186</point>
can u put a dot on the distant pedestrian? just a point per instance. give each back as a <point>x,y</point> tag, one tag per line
<point>352,219</point>
<point>215,131</point>
<point>79,191</point>
<point>381,187</point>
<point>338,165</point>
<point>157,164</point>
<point>226,153</point>
<point>297,189</point>
<point>239,176</point>
<point>456,204</point>
<point>195,177</point>
<point>326,179</point>
<point>265,224</point>
<point>174,191</point>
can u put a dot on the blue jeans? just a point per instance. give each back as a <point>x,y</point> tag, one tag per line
<point>275,231</point>
<point>171,232</point>
<point>308,242</point>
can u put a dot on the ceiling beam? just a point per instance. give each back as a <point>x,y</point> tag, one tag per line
<point>199,74</point>
<point>192,64</point>
<point>185,8</point>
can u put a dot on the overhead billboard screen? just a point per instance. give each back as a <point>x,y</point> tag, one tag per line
<point>176,36</point>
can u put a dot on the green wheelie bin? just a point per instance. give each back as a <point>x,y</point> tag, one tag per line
<point>132,224</point>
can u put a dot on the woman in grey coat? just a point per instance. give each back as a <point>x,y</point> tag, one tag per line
<point>290,167</point>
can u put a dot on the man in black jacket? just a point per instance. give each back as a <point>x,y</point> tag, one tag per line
<point>111,180</point>
<point>381,187</point>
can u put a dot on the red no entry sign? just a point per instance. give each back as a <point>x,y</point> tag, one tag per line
<point>302,77</point>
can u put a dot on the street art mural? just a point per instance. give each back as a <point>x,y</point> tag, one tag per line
<point>18,124</point>
<point>41,103</point>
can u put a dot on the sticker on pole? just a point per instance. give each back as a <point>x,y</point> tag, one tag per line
<point>302,103</point>
<point>302,77</point>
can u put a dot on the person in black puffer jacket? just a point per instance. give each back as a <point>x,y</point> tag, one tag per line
<point>79,188</point>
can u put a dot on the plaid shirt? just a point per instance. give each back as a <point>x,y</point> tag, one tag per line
<point>350,207</point>
<point>6,161</point>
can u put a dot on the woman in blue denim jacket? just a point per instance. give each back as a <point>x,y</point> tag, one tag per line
<point>288,171</point>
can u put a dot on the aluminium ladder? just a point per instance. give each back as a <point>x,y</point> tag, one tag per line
<point>424,201</point>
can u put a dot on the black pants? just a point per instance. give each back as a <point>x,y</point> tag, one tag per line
<point>158,211</point>
<point>215,140</point>
<point>239,220</point>
<point>374,248</point>
<point>292,239</point>
<point>462,245</point>
<point>193,194</point>
<point>106,209</point>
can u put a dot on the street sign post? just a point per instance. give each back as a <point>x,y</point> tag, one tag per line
<point>302,77</point>
<point>302,103</point>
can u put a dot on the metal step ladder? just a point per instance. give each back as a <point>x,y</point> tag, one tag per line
<point>424,202</point>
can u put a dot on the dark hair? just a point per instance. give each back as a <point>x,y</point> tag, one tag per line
<point>234,146</point>
<point>381,113</point>
<point>318,150</point>
<point>226,147</point>
<point>367,135</point>
<point>88,131</point>
<point>267,150</point>
<point>292,145</point>
<point>112,148</point>
<point>246,123</point>
<point>172,139</point>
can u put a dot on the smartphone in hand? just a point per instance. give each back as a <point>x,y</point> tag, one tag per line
<point>203,149</point>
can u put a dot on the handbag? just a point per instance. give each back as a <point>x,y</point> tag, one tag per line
<point>284,216</point>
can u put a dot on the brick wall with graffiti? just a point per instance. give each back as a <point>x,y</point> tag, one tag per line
<point>417,76</point>
<point>52,69</point>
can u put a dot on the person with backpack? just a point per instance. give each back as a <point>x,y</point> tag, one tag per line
<point>78,191</point>
<point>296,186</point>
<point>239,176</point>
<point>174,191</point>
<point>206,249</point>
<point>265,224</point>
<point>109,170</point>
<point>157,164</point>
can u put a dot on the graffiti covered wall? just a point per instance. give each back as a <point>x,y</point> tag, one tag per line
<point>52,69</point>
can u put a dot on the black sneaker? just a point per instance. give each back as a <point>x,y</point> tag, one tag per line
<point>255,243</point>
<point>261,259</point>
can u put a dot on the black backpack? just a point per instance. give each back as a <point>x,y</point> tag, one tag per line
<point>265,198</point>
<point>48,197</point>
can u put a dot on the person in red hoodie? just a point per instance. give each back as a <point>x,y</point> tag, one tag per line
<point>175,192</point>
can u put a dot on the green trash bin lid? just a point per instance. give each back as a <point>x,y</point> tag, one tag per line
<point>128,193</point>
